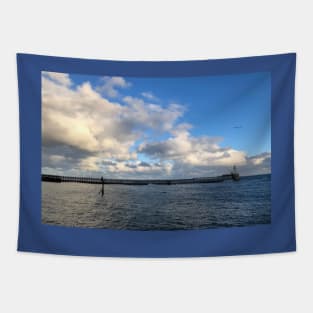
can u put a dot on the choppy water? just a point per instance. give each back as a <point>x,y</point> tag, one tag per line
<point>155,207</point>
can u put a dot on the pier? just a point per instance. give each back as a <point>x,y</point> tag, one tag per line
<point>91,180</point>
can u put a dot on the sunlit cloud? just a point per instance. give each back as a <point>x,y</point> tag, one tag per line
<point>149,96</point>
<point>111,85</point>
<point>85,132</point>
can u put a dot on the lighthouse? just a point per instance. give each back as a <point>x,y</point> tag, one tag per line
<point>234,174</point>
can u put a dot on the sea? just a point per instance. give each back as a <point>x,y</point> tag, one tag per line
<point>158,207</point>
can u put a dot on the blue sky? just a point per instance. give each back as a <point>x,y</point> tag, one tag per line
<point>235,107</point>
<point>232,110</point>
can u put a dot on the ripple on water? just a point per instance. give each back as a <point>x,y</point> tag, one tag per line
<point>155,207</point>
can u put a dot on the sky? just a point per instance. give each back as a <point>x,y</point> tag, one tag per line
<point>126,127</point>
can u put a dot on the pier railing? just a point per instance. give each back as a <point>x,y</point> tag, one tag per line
<point>72,179</point>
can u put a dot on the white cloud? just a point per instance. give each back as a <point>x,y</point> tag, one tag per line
<point>259,159</point>
<point>59,78</point>
<point>152,115</point>
<point>197,151</point>
<point>203,155</point>
<point>84,132</point>
<point>149,96</point>
<point>90,164</point>
<point>110,86</point>
<point>140,169</point>
<point>93,128</point>
<point>54,158</point>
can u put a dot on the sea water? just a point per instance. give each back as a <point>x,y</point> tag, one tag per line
<point>158,207</point>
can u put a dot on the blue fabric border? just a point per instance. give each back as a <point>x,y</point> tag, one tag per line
<point>279,236</point>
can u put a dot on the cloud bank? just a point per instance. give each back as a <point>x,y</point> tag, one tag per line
<point>97,130</point>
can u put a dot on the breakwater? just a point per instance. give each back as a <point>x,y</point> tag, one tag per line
<point>92,180</point>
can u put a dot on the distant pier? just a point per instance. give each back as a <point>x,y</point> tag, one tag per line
<point>91,180</point>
